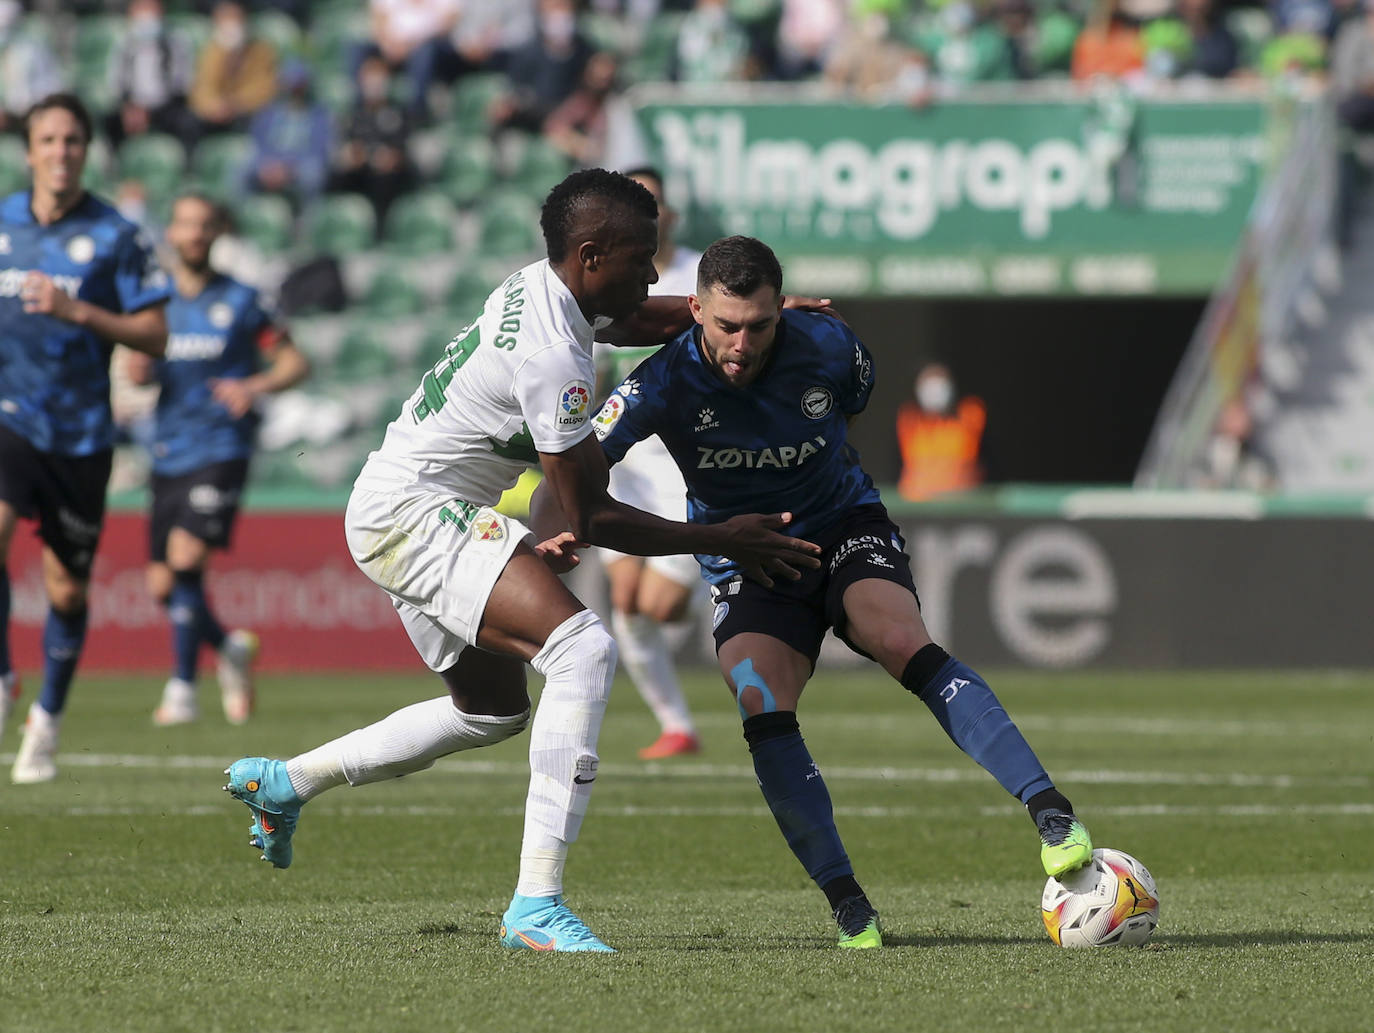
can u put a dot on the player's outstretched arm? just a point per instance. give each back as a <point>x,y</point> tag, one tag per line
<point>576,480</point>
<point>655,321</point>
<point>144,330</point>
<point>289,367</point>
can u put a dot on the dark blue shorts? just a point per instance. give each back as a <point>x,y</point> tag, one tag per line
<point>65,494</point>
<point>204,502</point>
<point>863,544</point>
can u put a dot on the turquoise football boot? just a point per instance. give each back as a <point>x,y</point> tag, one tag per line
<point>546,924</point>
<point>263,785</point>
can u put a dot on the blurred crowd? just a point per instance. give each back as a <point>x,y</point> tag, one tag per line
<point>329,95</point>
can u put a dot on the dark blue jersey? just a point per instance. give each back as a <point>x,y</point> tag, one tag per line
<point>220,333</point>
<point>780,444</point>
<point>54,375</point>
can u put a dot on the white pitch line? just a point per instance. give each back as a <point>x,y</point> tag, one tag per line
<point>928,813</point>
<point>689,770</point>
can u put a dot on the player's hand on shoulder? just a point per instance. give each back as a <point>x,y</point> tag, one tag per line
<point>808,304</point>
<point>560,551</point>
<point>754,542</point>
<point>41,296</point>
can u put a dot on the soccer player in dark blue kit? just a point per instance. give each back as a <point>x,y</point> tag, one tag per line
<point>753,403</point>
<point>224,351</point>
<point>75,277</point>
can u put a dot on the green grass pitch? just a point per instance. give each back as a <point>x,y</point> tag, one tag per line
<point>130,899</point>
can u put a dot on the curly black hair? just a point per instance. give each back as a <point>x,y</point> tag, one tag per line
<point>567,201</point>
<point>739,266</point>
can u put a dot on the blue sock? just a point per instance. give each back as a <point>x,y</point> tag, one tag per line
<point>63,635</point>
<point>972,717</point>
<point>192,622</point>
<point>4,621</point>
<point>796,794</point>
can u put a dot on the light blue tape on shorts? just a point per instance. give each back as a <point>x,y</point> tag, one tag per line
<point>744,675</point>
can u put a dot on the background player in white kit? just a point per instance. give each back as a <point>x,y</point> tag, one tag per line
<point>648,593</point>
<point>476,595</point>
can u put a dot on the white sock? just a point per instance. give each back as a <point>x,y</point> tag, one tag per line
<point>646,657</point>
<point>578,664</point>
<point>409,740</point>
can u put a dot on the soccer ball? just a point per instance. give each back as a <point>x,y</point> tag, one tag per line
<point>1110,901</point>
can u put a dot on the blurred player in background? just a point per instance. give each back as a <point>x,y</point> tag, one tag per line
<point>478,597</point>
<point>755,404</point>
<point>648,593</point>
<point>204,430</point>
<point>75,277</point>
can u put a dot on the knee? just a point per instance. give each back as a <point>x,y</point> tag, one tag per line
<point>580,657</point>
<point>67,597</point>
<point>665,609</point>
<point>893,647</point>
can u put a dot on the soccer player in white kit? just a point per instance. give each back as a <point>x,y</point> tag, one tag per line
<point>648,593</point>
<point>478,597</point>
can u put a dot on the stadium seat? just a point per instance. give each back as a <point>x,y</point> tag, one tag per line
<point>193,25</point>
<point>280,30</point>
<point>392,293</point>
<point>156,160</point>
<point>468,292</point>
<point>655,57</point>
<point>14,173</point>
<point>266,220</point>
<point>96,37</point>
<point>539,168</point>
<point>468,168</point>
<point>219,161</point>
<point>342,224</point>
<point>472,94</point>
<point>510,225</point>
<point>364,355</point>
<point>421,223</point>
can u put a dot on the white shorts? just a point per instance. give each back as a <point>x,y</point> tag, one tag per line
<point>648,479</point>
<point>437,558</point>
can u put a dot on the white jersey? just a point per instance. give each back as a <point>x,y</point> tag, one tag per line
<point>517,382</point>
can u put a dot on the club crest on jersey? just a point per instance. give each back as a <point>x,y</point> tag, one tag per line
<point>722,609</point>
<point>817,402</point>
<point>81,249</point>
<point>706,420</point>
<point>608,416</point>
<point>488,529</point>
<point>573,403</point>
<point>220,315</point>
<point>629,388</point>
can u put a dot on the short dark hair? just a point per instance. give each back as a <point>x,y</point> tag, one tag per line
<point>567,201</point>
<point>219,211</point>
<point>67,102</point>
<point>739,266</point>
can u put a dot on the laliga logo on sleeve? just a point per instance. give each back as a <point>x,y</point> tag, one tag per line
<point>817,402</point>
<point>608,416</point>
<point>573,403</point>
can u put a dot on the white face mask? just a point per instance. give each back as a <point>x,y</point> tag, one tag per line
<point>230,35</point>
<point>934,394</point>
<point>145,26</point>
<point>558,26</point>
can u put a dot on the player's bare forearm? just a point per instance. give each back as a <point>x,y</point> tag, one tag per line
<point>655,321</point>
<point>144,331</point>
<point>289,367</point>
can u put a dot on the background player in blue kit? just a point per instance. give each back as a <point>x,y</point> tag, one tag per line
<point>75,277</point>
<point>753,404</point>
<point>205,428</point>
